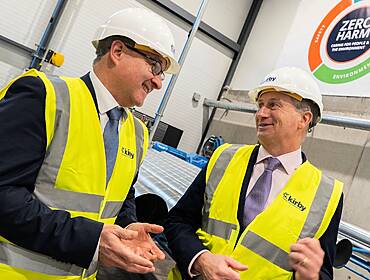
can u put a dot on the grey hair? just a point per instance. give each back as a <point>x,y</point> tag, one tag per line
<point>105,44</point>
<point>307,105</point>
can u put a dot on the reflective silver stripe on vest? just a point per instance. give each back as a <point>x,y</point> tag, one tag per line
<point>266,250</point>
<point>21,258</point>
<point>54,154</point>
<point>219,228</point>
<point>91,270</point>
<point>111,209</point>
<point>45,182</point>
<point>68,200</point>
<point>214,179</point>
<point>314,218</point>
<point>318,207</point>
<point>139,134</point>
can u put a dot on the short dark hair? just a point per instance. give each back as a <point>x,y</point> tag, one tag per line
<point>105,44</point>
<point>307,105</point>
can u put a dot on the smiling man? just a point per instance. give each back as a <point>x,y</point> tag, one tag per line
<point>262,211</point>
<point>70,151</point>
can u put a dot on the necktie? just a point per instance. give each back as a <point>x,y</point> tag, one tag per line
<point>256,199</point>
<point>111,139</point>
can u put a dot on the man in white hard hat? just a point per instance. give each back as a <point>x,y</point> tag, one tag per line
<point>262,211</point>
<point>70,150</point>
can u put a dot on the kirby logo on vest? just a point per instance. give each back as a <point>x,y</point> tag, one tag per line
<point>287,197</point>
<point>126,152</point>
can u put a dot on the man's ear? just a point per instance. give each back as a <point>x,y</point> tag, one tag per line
<point>116,51</point>
<point>306,119</point>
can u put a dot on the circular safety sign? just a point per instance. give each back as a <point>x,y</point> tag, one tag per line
<point>339,49</point>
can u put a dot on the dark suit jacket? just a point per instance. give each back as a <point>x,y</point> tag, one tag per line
<point>25,220</point>
<point>186,216</point>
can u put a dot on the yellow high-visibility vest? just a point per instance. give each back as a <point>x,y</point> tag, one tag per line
<point>73,174</point>
<point>303,208</point>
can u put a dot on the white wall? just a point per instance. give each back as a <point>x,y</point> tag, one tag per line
<point>265,42</point>
<point>21,21</point>
<point>226,17</point>
<point>77,28</point>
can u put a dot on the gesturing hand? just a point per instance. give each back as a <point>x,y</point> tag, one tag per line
<point>120,247</point>
<point>150,250</point>
<point>216,267</point>
<point>306,258</point>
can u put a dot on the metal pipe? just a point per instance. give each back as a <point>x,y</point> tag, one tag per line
<point>242,40</point>
<point>361,251</point>
<point>240,107</point>
<point>360,262</point>
<point>356,272</point>
<point>348,122</point>
<point>171,85</point>
<point>48,34</point>
<point>356,234</point>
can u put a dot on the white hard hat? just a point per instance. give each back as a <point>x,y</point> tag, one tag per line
<point>145,28</point>
<point>292,80</point>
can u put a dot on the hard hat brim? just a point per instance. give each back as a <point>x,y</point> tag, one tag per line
<point>174,67</point>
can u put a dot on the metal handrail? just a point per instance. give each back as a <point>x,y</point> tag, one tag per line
<point>335,120</point>
<point>361,239</point>
<point>358,236</point>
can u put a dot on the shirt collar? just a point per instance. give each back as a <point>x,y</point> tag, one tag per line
<point>104,98</point>
<point>290,161</point>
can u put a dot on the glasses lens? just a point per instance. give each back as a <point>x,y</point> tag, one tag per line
<point>155,64</point>
<point>156,67</point>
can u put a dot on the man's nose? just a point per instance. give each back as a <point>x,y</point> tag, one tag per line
<point>157,82</point>
<point>263,111</point>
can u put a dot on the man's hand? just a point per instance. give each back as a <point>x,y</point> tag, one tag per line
<point>306,258</point>
<point>121,248</point>
<point>214,267</point>
<point>152,252</point>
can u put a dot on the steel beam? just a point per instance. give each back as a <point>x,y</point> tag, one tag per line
<point>203,27</point>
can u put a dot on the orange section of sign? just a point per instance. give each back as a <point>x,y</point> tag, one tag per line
<point>314,57</point>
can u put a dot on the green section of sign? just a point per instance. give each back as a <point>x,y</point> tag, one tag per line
<point>333,76</point>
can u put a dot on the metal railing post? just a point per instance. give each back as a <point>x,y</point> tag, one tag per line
<point>171,85</point>
<point>48,34</point>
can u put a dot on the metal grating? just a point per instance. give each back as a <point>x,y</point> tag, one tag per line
<point>165,175</point>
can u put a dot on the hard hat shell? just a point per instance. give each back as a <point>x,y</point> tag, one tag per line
<point>292,80</point>
<point>145,28</point>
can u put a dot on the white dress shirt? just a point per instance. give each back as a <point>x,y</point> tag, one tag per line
<point>280,176</point>
<point>105,102</point>
<point>104,99</point>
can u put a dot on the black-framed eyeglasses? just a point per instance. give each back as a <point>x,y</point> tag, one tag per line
<point>156,66</point>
